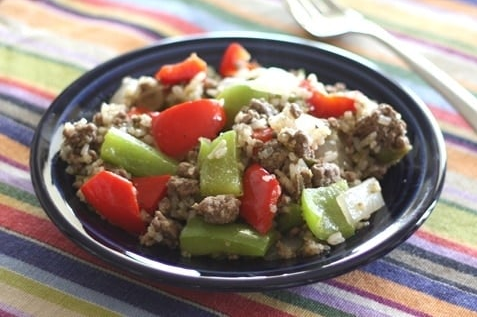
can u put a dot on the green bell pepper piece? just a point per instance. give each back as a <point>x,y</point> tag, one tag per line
<point>219,166</point>
<point>199,238</point>
<point>289,218</point>
<point>391,156</point>
<point>235,98</point>
<point>322,213</point>
<point>138,158</point>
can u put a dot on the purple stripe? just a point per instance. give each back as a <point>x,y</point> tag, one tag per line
<point>13,163</point>
<point>18,182</point>
<point>25,95</point>
<point>443,251</point>
<point>437,288</point>
<point>313,293</point>
<point>377,298</point>
<point>9,311</point>
<point>463,195</point>
<point>433,45</point>
<point>147,33</point>
<point>48,50</point>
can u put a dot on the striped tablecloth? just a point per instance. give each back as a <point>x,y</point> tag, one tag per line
<point>45,45</point>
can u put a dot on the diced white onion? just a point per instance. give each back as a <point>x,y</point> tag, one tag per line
<point>359,202</point>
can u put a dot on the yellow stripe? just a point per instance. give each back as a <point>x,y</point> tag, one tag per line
<point>46,74</point>
<point>402,295</point>
<point>30,304</point>
<point>22,206</point>
<point>37,299</point>
<point>454,224</point>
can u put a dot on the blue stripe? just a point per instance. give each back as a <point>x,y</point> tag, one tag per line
<point>53,262</point>
<point>440,260</point>
<point>463,142</point>
<point>432,287</point>
<point>23,104</point>
<point>16,131</point>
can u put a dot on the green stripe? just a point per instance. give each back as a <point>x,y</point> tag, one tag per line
<point>308,304</point>
<point>34,68</point>
<point>19,194</point>
<point>52,295</point>
<point>453,221</point>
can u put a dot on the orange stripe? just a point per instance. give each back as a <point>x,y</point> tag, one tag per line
<point>402,295</point>
<point>9,147</point>
<point>462,161</point>
<point>74,27</point>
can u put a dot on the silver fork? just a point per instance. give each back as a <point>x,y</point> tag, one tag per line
<point>327,19</point>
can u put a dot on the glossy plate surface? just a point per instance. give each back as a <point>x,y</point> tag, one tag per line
<point>410,188</point>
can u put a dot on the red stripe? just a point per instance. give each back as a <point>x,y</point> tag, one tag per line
<point>5,313</point>
<point>230,304</point>
<point>45,231</point>
<point>449,117</point>
<point>28,87</point>
<point>42,230</point>
<point>180,24</point>
<point>446,243</point>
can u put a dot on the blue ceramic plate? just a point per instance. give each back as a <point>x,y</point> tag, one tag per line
<point>410,188</point>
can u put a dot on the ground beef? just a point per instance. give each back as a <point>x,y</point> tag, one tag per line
<point>272,155</point>
<point>389,128</point>
<point>162,230</point>
<point>79,145</point>
<point>182,194</point>
<point>381,130</point>
<point>219,209</point>
<point>187,170</point>
<point>297,142</point>
<point>111,115</point>
<point>325,174</point>
<point>149,94</point>
<point>262,107</point>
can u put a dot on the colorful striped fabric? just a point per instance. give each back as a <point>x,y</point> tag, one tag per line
<point>45,45</point>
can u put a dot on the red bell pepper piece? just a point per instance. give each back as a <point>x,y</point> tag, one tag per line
<point>235,58</point>
<point>114,197</point>
<point>183,71</point>
<point>328,105</point>
<point>264,135</point>
<point>141,110</point>
<point>150,190</point>
<point>261,191</point>
<point>177,129</point>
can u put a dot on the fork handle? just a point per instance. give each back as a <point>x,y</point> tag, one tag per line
<point>459,97</point>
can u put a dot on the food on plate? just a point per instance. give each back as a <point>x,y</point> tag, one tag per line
<point>241,160</point>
